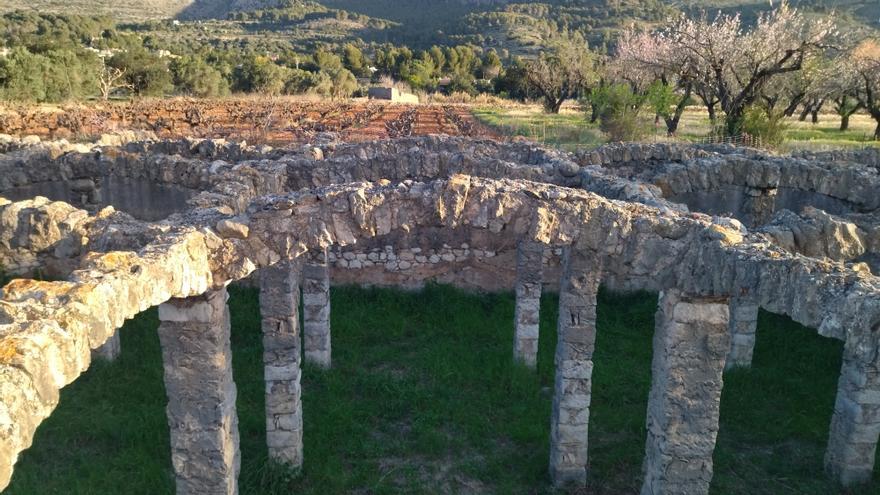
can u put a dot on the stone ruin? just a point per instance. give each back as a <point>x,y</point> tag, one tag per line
<point>474,213</point>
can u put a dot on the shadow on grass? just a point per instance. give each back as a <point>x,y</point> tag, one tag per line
<point>424,398</point>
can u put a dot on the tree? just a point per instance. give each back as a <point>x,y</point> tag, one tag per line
<point>259,74</point>
<point>565,70</point>
<point>845,106</point>
<point>299,81</point>
<point>651,66</point>
<point>491,65</point>
<point>193,76</point>
<point>146,73</point>
<point>354,60</point>
<point>344,84</point>
<point>327,61</point>
<point>110,79</point>
<point>738,64</point>
<point>21,76</point>
<point>863,69</point>
<point>420,73</point>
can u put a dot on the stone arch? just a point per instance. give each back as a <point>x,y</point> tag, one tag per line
<point>250,219</point>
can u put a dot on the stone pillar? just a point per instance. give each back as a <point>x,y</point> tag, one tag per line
<point>111,349</point>
<point>855,425</point>
<point>279,308</point>
<point>529,275</point>
<point>194,334</point>
<point>691,342</point>
<point>759,205</point>
<point>316,309</point>
<point>743,331</point>
<point>574,368</point>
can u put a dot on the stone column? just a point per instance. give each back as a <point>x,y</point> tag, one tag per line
<point>855,425</point>
<point>279,308</point>
<point>743,331</point>
<point>574,368</point>
<point>194,334</point>
<point>111,349</point>
<point>691,342</point>
<point>316,309</point>
<point>529,275</point>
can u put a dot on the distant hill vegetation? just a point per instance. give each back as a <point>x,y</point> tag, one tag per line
<point>515,25</point>
<point>141,10</point>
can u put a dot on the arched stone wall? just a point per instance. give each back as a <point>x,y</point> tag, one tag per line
<point>255,214</point>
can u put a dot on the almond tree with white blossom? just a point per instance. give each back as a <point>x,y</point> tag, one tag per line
<point>740,63</point>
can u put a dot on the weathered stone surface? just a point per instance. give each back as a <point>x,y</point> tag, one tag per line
<point>316,306</point>
<point>743,331</point>
<point>855,425</point>
<point>381,206</point>
<point>691,342</point>
<point>279,307</point>
<point>529,277</point>
<point>197,358</point>
<point>570,416</point>
<point>818,234</point>
<point>111,349</point>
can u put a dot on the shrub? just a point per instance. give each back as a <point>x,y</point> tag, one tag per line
<point>621,114</point>
<point>767,125</point>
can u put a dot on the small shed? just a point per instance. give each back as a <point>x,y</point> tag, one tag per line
<point>391,94</point>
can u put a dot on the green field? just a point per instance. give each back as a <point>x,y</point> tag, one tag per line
<point>571,129</point>
<point>424,398</point>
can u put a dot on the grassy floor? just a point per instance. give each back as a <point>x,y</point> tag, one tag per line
<point>570,129</point>
<point>423,398</point>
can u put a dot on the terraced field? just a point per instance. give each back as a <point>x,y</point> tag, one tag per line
<point>275,122</point>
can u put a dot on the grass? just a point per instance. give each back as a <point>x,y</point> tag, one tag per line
<point>571,129</point>
<point>424,398</point>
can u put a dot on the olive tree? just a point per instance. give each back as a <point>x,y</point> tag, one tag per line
<point>567,69</point>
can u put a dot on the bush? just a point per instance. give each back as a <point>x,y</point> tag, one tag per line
<point>620,116</point>
<point>766,125</point>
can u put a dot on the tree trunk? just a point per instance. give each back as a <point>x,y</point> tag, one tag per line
<point>553,105</point>
<point>807,109</point>
<point>713,117</point>
<point>877,130</point>
<point>792,106</point>
<point>672,122</point>
<point>594,113</point>
<point>815,111</point>
<point>844,122</point>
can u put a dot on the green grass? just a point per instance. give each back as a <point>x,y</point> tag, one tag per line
<point>568,130</point>
<point>424,398</point>
<point>571,130</point>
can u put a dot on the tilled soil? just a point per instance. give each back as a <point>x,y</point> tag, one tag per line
<point>274,121</point>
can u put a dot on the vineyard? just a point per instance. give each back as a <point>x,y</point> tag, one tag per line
<point>274,122</point>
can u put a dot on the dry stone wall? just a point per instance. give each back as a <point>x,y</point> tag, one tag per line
<point>430,206</point>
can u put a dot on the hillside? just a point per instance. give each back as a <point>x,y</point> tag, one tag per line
<point>516,27</point>
<point>139,10</point>
<point>123,10</point>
